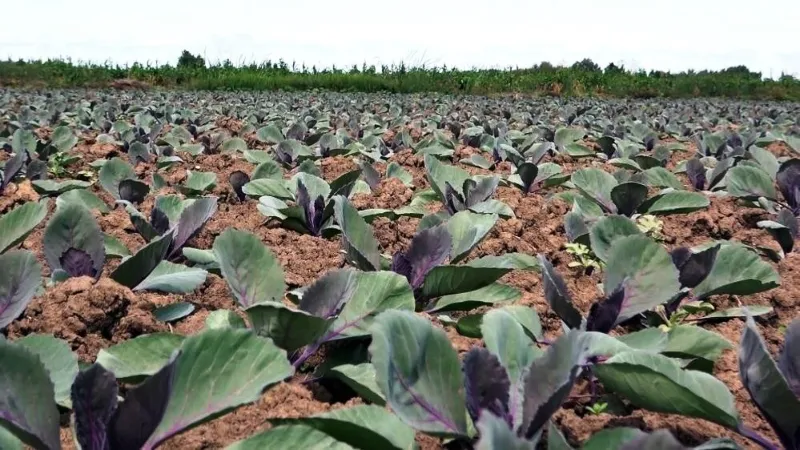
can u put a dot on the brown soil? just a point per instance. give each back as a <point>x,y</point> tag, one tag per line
<point>336,166</point>
<point>17,194</point>
<point>724,219</point>
<point>88,315</point>
<point>391,193</point>
<point>284,400</point>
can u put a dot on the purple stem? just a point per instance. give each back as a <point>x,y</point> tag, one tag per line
<point>755,437</point>
<point>308,351</point>
<point>425,405</point>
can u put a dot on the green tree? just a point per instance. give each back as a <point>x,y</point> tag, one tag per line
<point>587,65</point>
<point>188,60</point>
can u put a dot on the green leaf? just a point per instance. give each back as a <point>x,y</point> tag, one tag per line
<point>612,438</point>
<point>362,426</point>
<point>270,134</point>
<point>495,434</point>
<point>556,439</point>
<point>528,318</point>
<point>628,196</point>
<point>358,240</point>
<point>83,197</point>
<point>228,368</point>
<point>468,230</point>
<point>439,173</point>
<point>470,325</point>
<point>449,279</point>
<point>374,293</point>
<point>18,223</point>
<point>141,356</point>
<point>650,339</point>
<point>112,173</point>
<point>23,140</point>
<point>768,387</point>
<point>192,149</point>
<point>253,273</point>
<point>73,226</point>
<point>750,183</point>
<point>63,138</point>
<point>491,294</point>
<point>657,383</point>
<point>26,400</point>
<point>608,229</point>
<point>765,159</point>
<point>737,271</point>
<point>158,181</point>
<point>361,379</point>
<point>493,206</point>
<point>269,187</point>
<point>625,163</point>
<point>645,270</point>
<point>567,135</point>
<point>135,269</point>
<point>662,178</point>
<point>505,338</point>
<point>557,295</point>
<point>394,170</point>
<point>8,441</point>
<point>58,359</point>
<point>739,312</point>
<point>289,328</point>
<point>201,257</point>
<point>477,161</point>
<point>198,182</point>
<point>173,311</point>
<point>50,187</point>
<point>290,436</point>
<point>258,156</point>
<point>550,378</point>
<point>173,278</point>
<point>419,373</point>
<point>516,261</point>
<point>595,184</point>
<point>223,318</point>
<point>268,170</point>
<point>115,247</point>
<point>273,207</point>
<point>675,202</point>
<point>172,206</point>
<point>233,145</point>
<point>689,341</point>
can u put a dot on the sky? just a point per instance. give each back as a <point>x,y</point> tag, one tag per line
<point>674,35</point>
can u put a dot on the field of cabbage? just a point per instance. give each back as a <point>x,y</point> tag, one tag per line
<point>333,271</point>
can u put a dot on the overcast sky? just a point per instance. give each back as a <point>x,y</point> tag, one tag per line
<point>674,35</point>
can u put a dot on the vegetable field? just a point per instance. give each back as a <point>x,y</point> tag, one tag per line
<point>184,270</point>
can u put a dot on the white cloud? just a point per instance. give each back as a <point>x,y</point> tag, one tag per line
<point>676,35</point>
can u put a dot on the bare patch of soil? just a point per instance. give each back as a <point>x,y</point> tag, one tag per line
<point>395,235</point>
<point>391,193</point>
<point>336,166</point>
<point>284,400</point>
<point>17,194</point>
<point>723,219</point>
<point>88,315</point>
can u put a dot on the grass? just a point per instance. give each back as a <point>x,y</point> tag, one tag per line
<point>582,79</point>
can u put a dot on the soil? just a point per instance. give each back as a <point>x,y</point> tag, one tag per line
<point>88,315</point>
<point>91,315</point>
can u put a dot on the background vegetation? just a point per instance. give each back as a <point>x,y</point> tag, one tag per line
<point>582,78</point>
